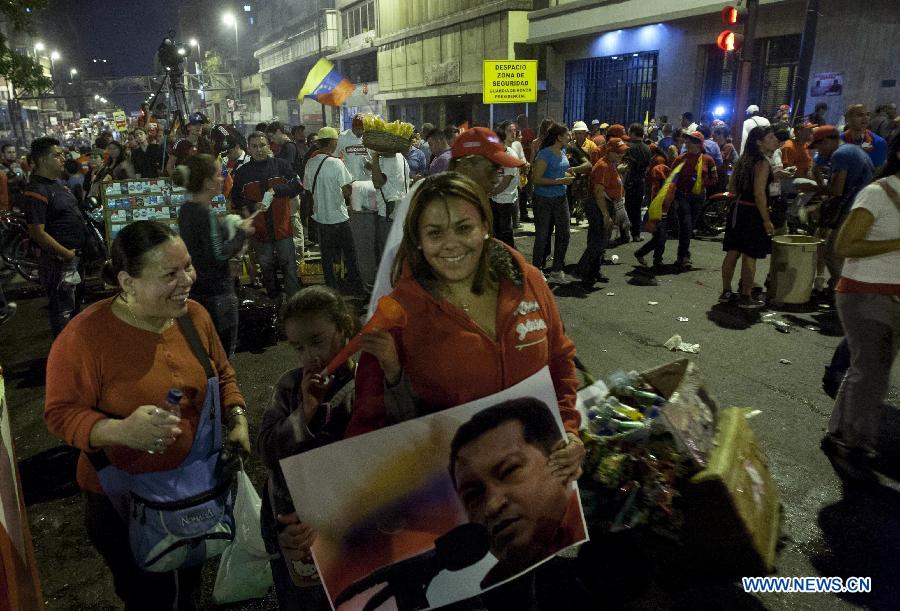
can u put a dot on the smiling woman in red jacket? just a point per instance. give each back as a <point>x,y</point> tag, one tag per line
<point>480,319</point>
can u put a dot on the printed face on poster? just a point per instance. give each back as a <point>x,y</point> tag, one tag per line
<point>441,508</point>
<point>826,83</point>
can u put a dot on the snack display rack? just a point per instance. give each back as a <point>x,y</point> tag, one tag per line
<point>139,199</point>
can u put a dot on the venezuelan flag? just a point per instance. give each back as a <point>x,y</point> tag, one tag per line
<point>325,85</point>
<point>657,206</point>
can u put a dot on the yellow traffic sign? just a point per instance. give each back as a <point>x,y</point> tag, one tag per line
<point>509,81</point>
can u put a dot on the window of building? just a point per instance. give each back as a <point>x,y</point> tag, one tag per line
<point>615,89</point>
<point>771,77</point>
<point>358,19</point>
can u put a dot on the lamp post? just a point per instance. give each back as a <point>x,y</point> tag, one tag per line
<point>54,57</point>
<point>199,69</point>
<point>230,20</point>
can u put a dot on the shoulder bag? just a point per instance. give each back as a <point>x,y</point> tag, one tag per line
<point>181,517</point>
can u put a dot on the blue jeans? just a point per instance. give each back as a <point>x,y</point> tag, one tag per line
<point>63,303</point>
<point>275,255</point>
<point>550,211</point>
<point>223,309</point>
<point>336,243</point>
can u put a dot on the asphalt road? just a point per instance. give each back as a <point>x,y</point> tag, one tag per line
<point>827,531</point>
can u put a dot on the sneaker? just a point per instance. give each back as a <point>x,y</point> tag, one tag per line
<point>8,312</point>
<point>727,297</point>
<point>637,238</point>
<point>750,303</point>
<point>819,283</point>
<point>641,259</point>
<point>561,277</point>
<point>684,264</point>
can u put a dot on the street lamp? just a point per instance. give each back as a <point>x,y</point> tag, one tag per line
<point>230,20</point>
<point>39,46</point>
<point>73,72</point>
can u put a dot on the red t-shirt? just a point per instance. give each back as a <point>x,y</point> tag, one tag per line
<point>605,173</point>
<point>528,137</point>
<point>688,174</point>
<point>798,156</point>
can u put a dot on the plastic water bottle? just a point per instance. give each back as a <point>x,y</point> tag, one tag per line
<point>173,402</point>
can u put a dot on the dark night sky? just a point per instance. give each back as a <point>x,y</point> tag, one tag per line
<point>126,32</point>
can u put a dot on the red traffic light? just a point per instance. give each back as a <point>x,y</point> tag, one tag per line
<point>732,15</point>
<point>729,41</point>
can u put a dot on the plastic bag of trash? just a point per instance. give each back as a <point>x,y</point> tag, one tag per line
<point>675,343</point>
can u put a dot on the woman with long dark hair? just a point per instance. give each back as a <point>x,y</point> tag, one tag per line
<point>867,296</point>
<point>551,176</point>
<point>748,236</point>
<point>211,241</point>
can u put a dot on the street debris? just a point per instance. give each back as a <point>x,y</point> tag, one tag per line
<point>652,303</point>
<point>675,343</point>
<point>614,259</point>
<point>783,327</point>
<point>813,328</point>
<point>752,413</point>
<point>683,319</point>
<point>610,294</point>
<point>785,361</point>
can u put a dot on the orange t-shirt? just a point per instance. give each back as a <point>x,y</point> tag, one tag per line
<point>798,156</point>
<point>605,173</point>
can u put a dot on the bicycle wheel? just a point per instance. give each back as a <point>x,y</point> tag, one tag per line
<point>24,258</point>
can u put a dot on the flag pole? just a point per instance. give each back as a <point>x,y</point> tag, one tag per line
<point>319,32</point>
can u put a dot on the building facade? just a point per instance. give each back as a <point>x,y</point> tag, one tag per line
<point>620,60</point>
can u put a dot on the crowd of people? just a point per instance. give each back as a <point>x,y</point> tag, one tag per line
<point>457,197</point>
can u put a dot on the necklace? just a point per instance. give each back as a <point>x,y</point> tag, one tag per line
<point>139,324</point>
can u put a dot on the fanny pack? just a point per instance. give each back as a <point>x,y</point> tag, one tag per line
<point>180,517</point>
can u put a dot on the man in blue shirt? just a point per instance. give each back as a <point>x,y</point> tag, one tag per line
<point>858,133</point>
<point>851,170</point>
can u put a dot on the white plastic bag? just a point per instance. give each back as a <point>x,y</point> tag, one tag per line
<point>244,570</point>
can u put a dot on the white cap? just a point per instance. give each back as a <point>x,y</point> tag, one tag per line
<point>595,122</point>
<point>752,109</point>
<point>580,126</point>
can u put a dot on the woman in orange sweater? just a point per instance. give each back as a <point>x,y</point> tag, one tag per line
<point>480,319</point>
<point>107,375</point>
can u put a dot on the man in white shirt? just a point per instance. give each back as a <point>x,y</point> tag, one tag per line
<point>330,182</point>
<point>351,149</point>
<point>753,120</point>
<point>390,175</point>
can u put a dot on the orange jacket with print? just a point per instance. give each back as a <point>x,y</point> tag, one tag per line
<point>450,360</point>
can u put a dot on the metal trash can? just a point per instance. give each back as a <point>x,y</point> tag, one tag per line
<point>793,269</point>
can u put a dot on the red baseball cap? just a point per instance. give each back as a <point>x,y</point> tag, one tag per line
<point>484,142</point>
<point>822,132</point>
<point>616,145</point>
<point>616,131</point>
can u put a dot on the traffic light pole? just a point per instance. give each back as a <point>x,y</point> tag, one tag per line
<point>746,66</point>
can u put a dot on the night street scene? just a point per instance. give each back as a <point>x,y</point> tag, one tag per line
<point>395,305</point>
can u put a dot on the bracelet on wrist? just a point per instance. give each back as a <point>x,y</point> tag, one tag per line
<point>233,413</point>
